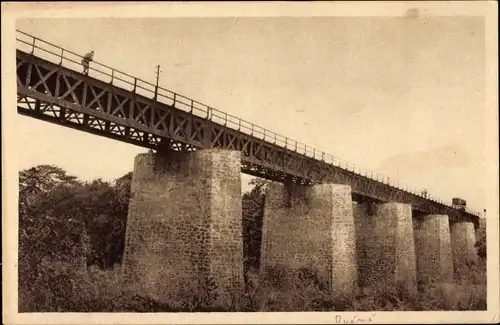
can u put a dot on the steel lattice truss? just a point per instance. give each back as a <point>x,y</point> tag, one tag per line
<point>55,94</point>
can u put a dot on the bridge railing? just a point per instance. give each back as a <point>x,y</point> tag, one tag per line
<point>72,60</point>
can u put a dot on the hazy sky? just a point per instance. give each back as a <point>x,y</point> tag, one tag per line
<point>402,96</point>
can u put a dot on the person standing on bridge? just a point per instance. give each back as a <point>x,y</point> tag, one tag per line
<point>86,61</point>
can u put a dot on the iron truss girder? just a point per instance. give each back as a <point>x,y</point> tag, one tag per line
<point>55,94</point>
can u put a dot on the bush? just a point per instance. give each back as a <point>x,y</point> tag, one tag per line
<point>481,247</point>
<point>71,245</point>
<point>66,287</point>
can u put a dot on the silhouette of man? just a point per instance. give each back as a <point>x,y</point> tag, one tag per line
<point>86,61</point>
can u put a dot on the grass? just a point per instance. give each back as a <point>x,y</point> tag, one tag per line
<point>69,289</point>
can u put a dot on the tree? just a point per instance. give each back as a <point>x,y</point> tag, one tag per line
<point>36,223</point>
<point>66,225</point>
<point>253,213</point>
<point>109,208</point>
<point>44,240</point>
<point>40,179</point>
<point>481,247</point>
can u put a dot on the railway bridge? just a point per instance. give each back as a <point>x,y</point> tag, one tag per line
<point>353,226</point>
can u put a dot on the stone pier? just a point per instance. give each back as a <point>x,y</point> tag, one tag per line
<point>385,245</point>
<point>184,229</point>
<point>463,240</point>
<point>433,249</point>
<point>311,227</point>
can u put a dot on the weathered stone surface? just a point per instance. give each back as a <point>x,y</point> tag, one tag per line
<point>311,227</point>
<point>433,249</point>
<point>184,225</point>
<point>385,245</point>
<point>364,222</point>
<point>463,240</point>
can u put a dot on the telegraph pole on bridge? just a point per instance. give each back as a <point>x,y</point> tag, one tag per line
<point>157,81</point>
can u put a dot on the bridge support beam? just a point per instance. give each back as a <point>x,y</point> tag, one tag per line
<point>463,240</point>
<point>433,249</point>
<point>184,227</point>
<point>310,228</point>
<point>385,246</point>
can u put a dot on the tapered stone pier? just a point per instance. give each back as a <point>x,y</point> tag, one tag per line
<point>385,245</point>
<point>311,227</point>
<point>463,240</point>
<point>433,249</point>
<point>184,229</point>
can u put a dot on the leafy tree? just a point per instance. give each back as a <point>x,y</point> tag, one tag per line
<point>481,247</point>
<point>481,238</point>
<point>43,238</point>
<point>253,213</point>
<point>41,179</point>
<point>108,205</point>
<point>64,226</point>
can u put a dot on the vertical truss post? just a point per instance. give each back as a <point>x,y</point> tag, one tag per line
<point>84,97</point>
<point>62,55</point>
<point>207,139</point>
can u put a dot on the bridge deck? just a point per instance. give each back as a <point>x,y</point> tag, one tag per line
<point>57,94</point>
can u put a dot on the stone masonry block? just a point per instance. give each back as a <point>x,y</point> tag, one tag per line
<point>463,240</point>
<point>433,249</point>
<point>184,225</point>
<point>311,227</point>
<point>385,245</point>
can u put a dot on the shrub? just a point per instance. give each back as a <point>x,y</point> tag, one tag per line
<point>71,242</point>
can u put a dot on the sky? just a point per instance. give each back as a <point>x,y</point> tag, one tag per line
<point>403,96</point>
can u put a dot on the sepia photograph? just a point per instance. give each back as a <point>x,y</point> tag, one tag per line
<point>253,164</point>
